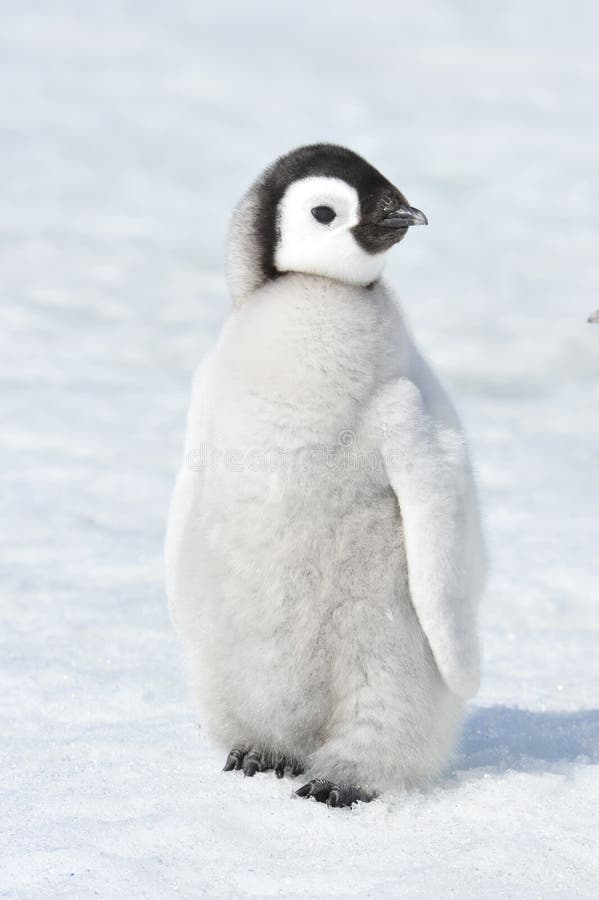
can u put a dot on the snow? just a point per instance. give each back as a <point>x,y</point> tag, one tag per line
<point>129,131</point>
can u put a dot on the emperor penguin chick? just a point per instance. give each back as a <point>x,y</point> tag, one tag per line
<point>324,555</point>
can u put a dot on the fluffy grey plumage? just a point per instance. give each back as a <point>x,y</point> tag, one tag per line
<point>324,555</point>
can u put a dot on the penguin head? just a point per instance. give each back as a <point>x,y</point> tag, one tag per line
<point>319,210</point>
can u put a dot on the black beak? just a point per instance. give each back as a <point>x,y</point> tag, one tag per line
<point>403,217</point>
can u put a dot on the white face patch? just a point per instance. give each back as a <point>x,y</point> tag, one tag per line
<point>317,248</point>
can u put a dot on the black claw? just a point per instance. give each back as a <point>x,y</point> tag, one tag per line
<point>348,794</point>
<point>318,788</point>
<point>305,790</point>
<point>334,794</point>
<point>234,759</point>
<point>252,763</point>
<point>321,790</point>
<point>253,760</point>
<point>344,795</point>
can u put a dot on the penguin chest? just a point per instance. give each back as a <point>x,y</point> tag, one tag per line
<point>304,562</point>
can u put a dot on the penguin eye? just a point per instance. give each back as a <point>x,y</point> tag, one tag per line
<point>324,214</point>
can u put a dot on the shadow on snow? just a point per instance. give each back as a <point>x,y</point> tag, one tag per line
<point>504,738</point>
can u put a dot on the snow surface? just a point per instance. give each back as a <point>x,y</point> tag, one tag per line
<point>129,130</point>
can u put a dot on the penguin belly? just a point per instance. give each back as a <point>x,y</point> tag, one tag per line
<point>304,608</point>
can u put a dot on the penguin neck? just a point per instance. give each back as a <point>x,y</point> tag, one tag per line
<point>302,333</point>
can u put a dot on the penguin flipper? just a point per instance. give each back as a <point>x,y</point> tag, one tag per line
<point>427,466</point>
<point>182,532</point>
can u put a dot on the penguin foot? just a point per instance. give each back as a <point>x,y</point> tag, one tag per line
<point>252,761</point>
<point>324,791</point>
